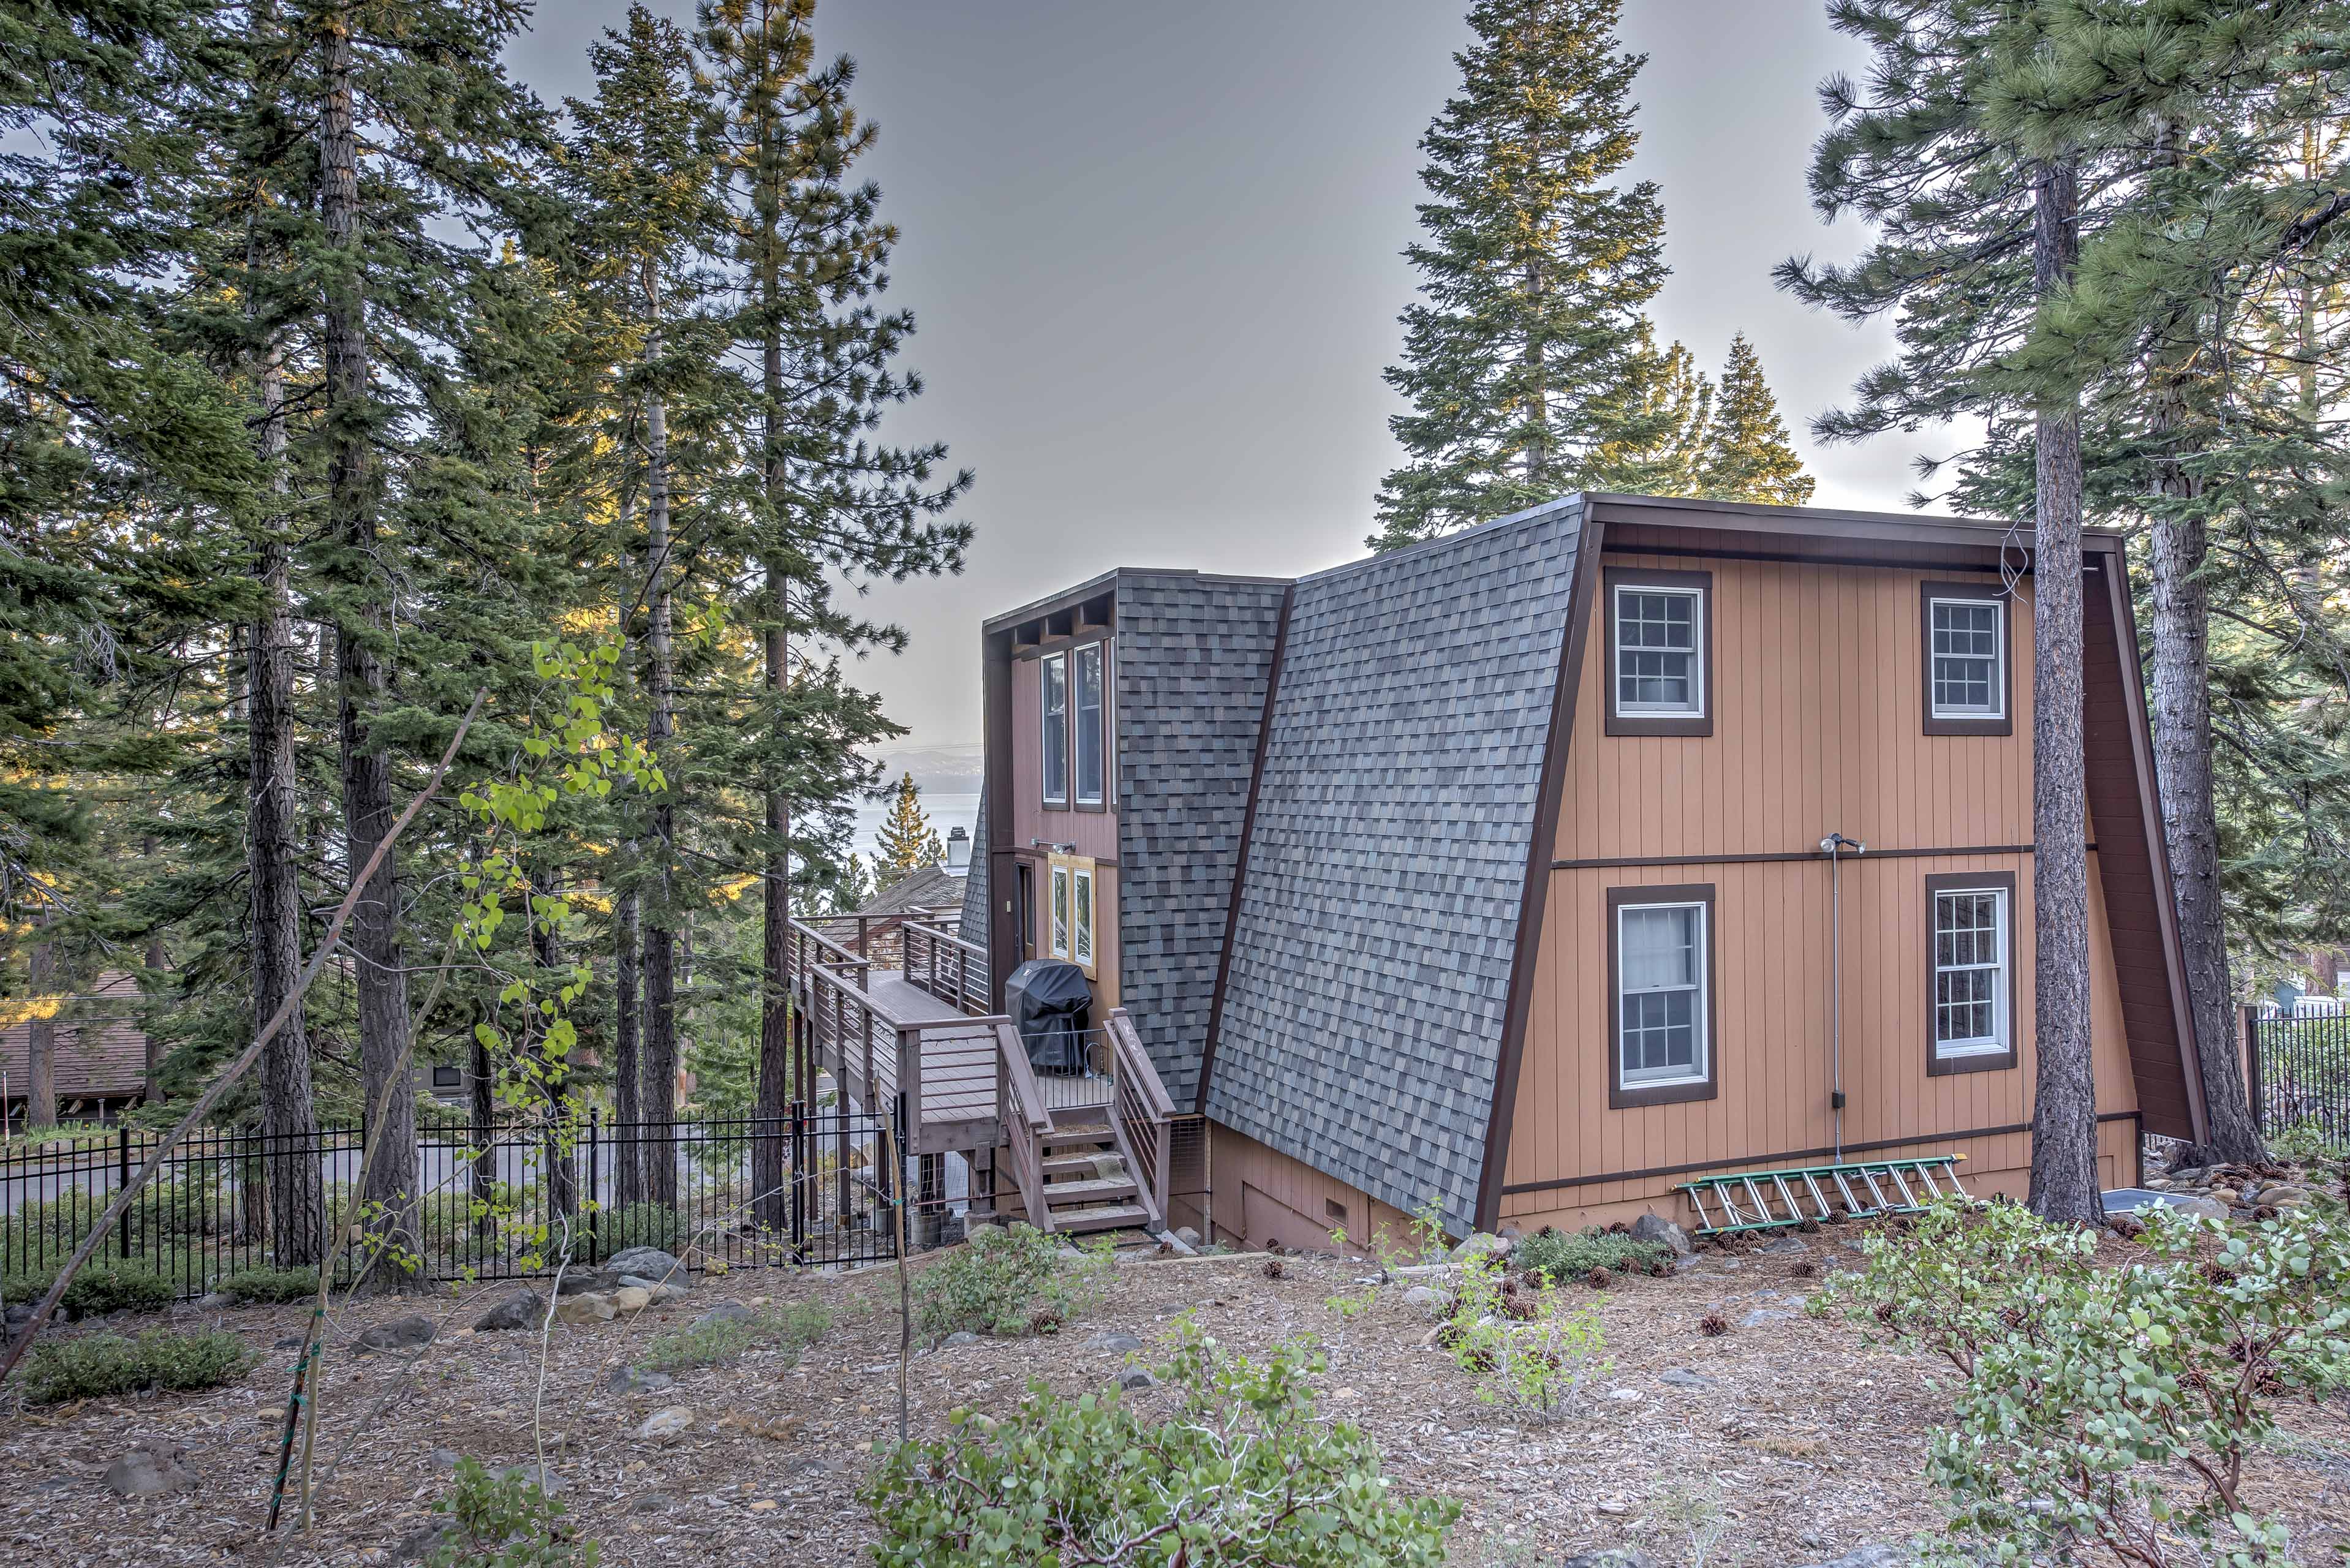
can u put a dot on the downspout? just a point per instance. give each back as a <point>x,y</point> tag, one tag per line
<point>1833,847</point>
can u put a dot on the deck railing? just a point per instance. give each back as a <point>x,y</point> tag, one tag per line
<point>948,968</point>
<point>1140,1111</point>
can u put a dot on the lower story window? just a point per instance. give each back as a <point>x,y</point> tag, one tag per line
<point>1970,972</point>
<point>1663,1012</point>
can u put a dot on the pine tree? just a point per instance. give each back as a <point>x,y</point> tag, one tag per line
<point>1659,440</point>
<point>1525,356</point>
<point>1980,210</point>
<point>906,841</point>
<point>1747,454</point>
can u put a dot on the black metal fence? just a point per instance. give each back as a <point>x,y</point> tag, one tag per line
<point>2300,1073</point>
<point>508,1205</point>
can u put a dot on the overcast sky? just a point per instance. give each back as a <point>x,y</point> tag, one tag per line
<point>1153,253</point>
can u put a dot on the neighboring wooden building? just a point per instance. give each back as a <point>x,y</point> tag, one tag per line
<point>1489,873</point>
<point>101,1062</point>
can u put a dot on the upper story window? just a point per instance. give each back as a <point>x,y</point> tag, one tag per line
<point>1970,972</point>
<point>1089,734</point>
<point>1660,943</point>
<point>1966,661</point>
<point>1660,652</point>
<point>1055,728</point>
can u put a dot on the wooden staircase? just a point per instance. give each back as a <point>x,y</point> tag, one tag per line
<point>1093,1167</point>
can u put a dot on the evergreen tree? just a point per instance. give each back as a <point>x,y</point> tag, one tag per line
<point>1528,352</point>
<point>906,841</point>
<point>1660,444</point>
<point>1980,206</point>
<point>1747,455</point>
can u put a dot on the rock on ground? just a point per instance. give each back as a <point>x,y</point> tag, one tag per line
<point>524,1309</point>
<point>646,1263</point>
<point>1426,1301</point>
<point>399,1333</point>
<point>628,1380</point>
<point>150,1471</point>
<point>670,1421</point>
<point>586,1309</point>
<point>1656,1228</point>
<point>724,1311</point>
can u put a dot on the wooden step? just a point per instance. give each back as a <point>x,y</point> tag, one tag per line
<point>1110,1217</point>
<point>1094,1189</point>
<point>1070,1137</point>
<point>1082,1164</point>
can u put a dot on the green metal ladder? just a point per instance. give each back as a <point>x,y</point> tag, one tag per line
<point>1770,1199</point>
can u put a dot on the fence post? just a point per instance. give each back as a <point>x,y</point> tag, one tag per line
<point>2252,1085</point>
<point>122,1182</point>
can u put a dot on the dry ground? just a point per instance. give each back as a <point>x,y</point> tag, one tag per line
<point>1814,1439</point>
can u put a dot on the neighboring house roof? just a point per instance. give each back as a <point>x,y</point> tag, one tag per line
<point>100,1054</point>
<point>931,887</point>
<point>1194,656</point>
<point>1387,864</point>
<point>974,881</point>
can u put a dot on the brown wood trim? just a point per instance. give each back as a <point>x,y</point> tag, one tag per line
<point>1620,1096</point>
<point>1666,548</point>
<point>2122,893</point>
<point>1698,726</point>
<point>1557,1183</point>
<point>1761,858</point>
<point>1501,1117</point>
<point>1937,1064</point>
<point>1108,757</point>
<point>1239,859</point>
<point>1818,521</point>
<point>1927,592</point>
<point>995,781</point>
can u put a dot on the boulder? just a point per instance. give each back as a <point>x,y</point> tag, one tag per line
<point>524,1309</point>
<point>1481,1245</point>
<point>669,1421</point>
<point>1188,1236</point>
<point>586,1283</point>
<point>1784,1246</point>
<point>1135,1378</point>
<point>1613,1557</point>
<point>584,1309</point>
<point>151,1470</point>
<point>645,1262</point>
<point>1762,1315</point>
<point>724,1311</point>
<point>445,1458</point>
<point>1116,1344</point>
<point>546,1479</point>
<point>628,1380</point>
<point>399,1333</point>
<point>1656,1228</point>
<point>1682,1377</point>
<point>961,1336</point>
<point>2206,1208</point>
<point>631,1298</point>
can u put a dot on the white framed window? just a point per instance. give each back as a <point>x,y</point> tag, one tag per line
<point>1971,1005</point>
<point>1659,651</point>
<point>1053,721</point>
<point>1059,913</point>
<point>1968,650</point>
<point>1663,1005</point>
<point>1081,918</point>
<point>1090,735</point>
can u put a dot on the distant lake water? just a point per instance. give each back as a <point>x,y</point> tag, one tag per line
<point>945,812</point>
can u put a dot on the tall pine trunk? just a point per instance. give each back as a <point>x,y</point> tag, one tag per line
<point>556,1131</point>
<point>2065,1184</point>
<point>273,863</point>
<point>41,1038</point>
<point>387,1194</point>
<point>661,937</point>
<point>628,1021</point>
<point>775,1088</point>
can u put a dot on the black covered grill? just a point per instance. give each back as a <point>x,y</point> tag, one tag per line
<point>1050,1004</point>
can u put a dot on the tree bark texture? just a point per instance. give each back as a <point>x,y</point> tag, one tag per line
<point>272,864</point>
<point>628,1020</point>
<point>41,1038</point>
<point>660,935</point>
<point>557,1130</point>
<point>2065,1185</point>
<point>773,1104</point>
<point>2176,553</point>
<point>389,1194</point>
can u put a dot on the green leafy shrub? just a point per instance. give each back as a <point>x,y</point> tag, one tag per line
<point>1009,1280</point>
<point>271,1284</point>
<point>791,1329</point>
<point>1527,1348</point>
<point>1559,1255</point>
<point>2112,1403</point>
<point>641,1225</point>
<point>504,1520</point>
<point>1241,1472</point>
<point>91,1365</point>
<point>104,1285</point>
<point>2306,1142</point>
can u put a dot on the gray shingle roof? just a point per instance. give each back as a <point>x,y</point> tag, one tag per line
<point>974,882</point>
<point>1194,656</point>
<point>1379,923</point>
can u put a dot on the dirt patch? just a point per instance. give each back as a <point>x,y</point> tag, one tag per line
<point>1816,1440</point>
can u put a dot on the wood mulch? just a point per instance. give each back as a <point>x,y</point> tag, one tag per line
<point>1814,1439</point>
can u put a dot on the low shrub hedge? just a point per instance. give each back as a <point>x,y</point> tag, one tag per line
<point>93,1365</point>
